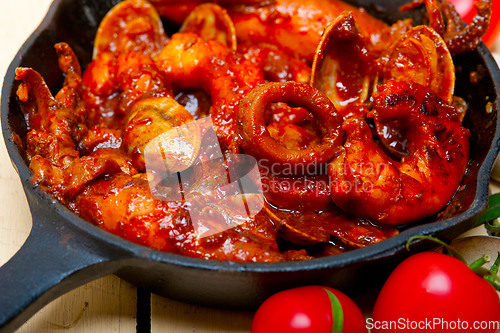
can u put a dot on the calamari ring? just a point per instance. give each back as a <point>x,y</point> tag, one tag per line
<point>365,181</point>
<point>255,139</point>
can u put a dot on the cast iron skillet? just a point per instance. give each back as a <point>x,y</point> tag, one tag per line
<point>63,251</point>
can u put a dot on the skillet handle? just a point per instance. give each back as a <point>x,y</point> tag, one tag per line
<point>54,260</point>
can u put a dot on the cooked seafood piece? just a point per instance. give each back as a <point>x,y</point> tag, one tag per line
<point>368,183</point>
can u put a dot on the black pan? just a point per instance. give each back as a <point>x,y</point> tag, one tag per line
<point>63,251</point>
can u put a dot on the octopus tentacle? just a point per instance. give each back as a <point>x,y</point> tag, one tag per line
<point>468,38</point>
<point>458,38</point>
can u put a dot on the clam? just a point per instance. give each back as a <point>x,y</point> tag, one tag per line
<point>131,25</point>
<point>341,65</point>
<point>161,135</point>
<point>211,22</point>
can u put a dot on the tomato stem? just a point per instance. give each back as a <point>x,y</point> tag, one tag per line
<point>337,313</point>
<point>489,275</point>
<point>480,262</point>
<point>496,264</point>
<point>494,270</point>
<point>454,253</point>
<point>477,266</point>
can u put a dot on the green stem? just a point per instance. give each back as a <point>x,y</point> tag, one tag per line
<point>451,250</point>
<point>489,275</point>
<point>496,264</point>
<point>480,262</point>
<point>337,313</point>
<point>494,273</point>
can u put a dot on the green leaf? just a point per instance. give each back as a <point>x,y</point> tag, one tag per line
<point>492,226</point>
<point>493,210</point>
<point>337,313</point>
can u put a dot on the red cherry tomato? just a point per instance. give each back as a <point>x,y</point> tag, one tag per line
<point>434,292</point>
<point>308,310</point>
<point>467,11</point>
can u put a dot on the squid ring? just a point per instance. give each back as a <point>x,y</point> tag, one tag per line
<point>256,140</point>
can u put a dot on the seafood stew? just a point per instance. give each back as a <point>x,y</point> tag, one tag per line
<point>88,145</point>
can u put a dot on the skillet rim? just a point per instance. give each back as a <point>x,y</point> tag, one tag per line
<point>384,249</point>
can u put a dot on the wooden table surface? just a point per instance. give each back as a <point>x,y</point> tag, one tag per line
<point>108,304</point>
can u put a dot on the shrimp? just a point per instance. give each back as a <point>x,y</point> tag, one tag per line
<point>126,206</point>
<point>365,181</point>
<point>276,64</point>
<point>193,63</point>
<point>297,26</point>
<point>279,24</point>
<point>177,11</point>
<point>211,22</point>
<point>294,26</point>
